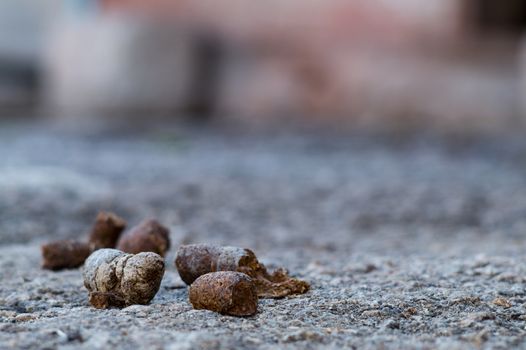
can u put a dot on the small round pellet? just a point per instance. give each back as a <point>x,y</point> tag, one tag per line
<point>148,236</point>
<point>225,292</point>
<point>65,254</point>
<point>117,279</point>
<point>194,260</point>
<point>106,230</point>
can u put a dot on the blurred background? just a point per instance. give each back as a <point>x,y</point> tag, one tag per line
<point>446,64</point>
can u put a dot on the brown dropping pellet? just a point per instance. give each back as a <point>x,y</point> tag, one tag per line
<point>117,279</point>
<point>64,254</point>
<point>106,230</point>
<point>148,236</point>
<point>101,300</point>
<point>194,260</point>
<point>226,292</point>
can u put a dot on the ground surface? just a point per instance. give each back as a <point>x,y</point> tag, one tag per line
<point>407,244</point>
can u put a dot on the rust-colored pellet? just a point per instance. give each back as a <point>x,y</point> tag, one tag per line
<point>148,236</point>
<point>64,254</point>
<point>106,230</point>
<point>225,292</point>
<point>195,260</point>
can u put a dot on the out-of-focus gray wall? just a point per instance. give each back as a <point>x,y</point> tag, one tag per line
<point>24,25</point>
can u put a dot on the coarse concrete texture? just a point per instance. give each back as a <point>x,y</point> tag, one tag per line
<point>408,242</point>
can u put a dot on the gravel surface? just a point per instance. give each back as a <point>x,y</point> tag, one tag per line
<point>408,243</point>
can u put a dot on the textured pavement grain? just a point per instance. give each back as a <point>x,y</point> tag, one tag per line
<point>413,244</point>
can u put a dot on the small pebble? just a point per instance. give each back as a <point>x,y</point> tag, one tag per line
<point>502,302</point>
<point>24,317</point>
